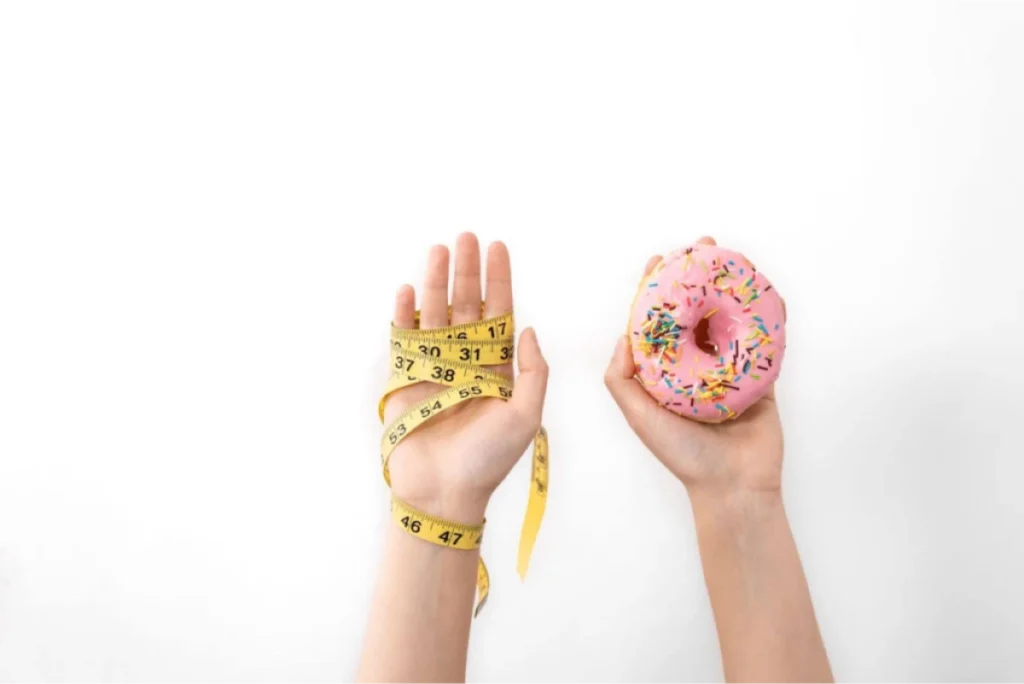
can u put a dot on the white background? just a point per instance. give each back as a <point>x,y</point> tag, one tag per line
<point>205,212</point>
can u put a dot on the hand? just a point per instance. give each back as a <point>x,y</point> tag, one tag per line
<point>737,456</point>
<point>450,465</point>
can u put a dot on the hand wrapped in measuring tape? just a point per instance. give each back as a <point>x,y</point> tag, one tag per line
<point>454,426</point>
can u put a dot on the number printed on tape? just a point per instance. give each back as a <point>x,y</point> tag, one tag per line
<point>457,358</point>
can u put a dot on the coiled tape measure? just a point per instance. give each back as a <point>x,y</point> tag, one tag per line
<point>457,357</point>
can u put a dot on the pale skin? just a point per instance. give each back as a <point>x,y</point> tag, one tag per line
<point>421,613</point>
<point>420,618</point>
<point>732,471</point>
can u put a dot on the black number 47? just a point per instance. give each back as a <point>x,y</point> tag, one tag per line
<point>450,537</point>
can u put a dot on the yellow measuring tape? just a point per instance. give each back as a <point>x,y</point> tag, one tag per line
<point>456,357</point>
<point>436,530</point>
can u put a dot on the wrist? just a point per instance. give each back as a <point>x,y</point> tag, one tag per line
<point>734,507</point>
<point>467,508</point>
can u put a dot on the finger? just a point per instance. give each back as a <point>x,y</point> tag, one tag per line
<point>532,381</point>
<point>637,406</point>
<point>499,281</point>
<point>771,390</point>
<point>405,307</point>
<point>707,241</point>
<point>466,291</point>
<point>405,317</point>
<point>651,263</point>
<point>434,312</point>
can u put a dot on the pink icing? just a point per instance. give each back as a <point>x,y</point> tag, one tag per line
<point>745,321</point>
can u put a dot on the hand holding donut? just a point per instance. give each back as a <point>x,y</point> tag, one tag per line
<point>743,453</point>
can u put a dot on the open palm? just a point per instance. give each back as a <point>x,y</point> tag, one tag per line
<point>467,450</point>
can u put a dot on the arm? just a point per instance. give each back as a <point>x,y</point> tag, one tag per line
<point>766,624</point>
<point>448,467</point>
<point>419,621</point>
<point>732,471</point>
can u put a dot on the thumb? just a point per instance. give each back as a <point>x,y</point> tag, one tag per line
<point>532,381</point>
<point>635,403</point>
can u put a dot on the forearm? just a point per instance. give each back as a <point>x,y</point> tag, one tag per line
<point>420,618</point>
<point>766,624</point>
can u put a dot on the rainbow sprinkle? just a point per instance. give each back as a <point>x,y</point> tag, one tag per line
<point>660,333</point>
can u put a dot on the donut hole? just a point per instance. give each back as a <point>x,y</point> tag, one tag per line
<point>702,337</point>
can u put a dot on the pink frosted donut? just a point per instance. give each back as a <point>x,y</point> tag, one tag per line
<point>708,333</point>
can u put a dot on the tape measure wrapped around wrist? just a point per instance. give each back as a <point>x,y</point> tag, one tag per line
<point>457,357</point>
<point>436,530</point>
